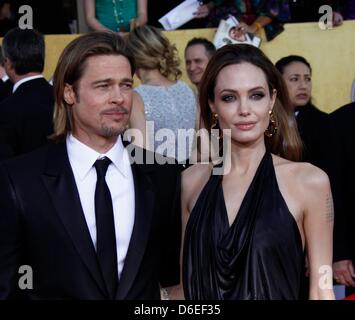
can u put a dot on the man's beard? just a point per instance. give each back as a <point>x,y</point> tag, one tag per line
<point>111,132</point>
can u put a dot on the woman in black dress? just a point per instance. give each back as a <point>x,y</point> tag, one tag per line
<point>247,231</point>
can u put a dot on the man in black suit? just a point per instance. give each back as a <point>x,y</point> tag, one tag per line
<point>26,116</point>
<point>93,217</point>
<point>343,178</point>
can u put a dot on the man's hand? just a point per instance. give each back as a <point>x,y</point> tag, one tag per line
<point>204,10</point>
<point>343,272</point>
<point>337,19</point>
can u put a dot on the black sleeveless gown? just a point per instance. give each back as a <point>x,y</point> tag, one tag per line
<point>258,257</point>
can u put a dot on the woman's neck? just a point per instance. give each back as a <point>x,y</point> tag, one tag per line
<point>246,158</point>
<point>153,77</point>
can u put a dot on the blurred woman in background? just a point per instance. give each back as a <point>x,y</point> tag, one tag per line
<point>312,123</point>
<point>161,98</point>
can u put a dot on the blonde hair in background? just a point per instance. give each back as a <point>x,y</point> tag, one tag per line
<point>152,50</point>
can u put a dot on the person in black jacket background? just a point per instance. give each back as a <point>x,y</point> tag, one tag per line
<point>312,123</point>
<point>26,116</point>
<point>343,178</point>
<point>5,82</point>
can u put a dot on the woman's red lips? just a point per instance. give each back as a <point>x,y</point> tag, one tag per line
<point>245,125</point>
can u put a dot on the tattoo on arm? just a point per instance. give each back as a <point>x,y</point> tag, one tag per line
<point>329,208</point>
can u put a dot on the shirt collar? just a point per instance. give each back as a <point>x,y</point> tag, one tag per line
<point>18,83</point>
<point>5,77</point>
<point>82,157</point>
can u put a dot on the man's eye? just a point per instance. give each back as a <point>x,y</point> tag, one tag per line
<point>126,86</point>
<point>104,85</point>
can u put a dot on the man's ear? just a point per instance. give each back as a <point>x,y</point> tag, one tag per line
<point>69,94</point>
<point>8,64</point>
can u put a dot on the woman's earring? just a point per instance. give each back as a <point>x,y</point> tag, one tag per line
<point>214,121</point>
<point>215,126</point>
<point>272,128</point>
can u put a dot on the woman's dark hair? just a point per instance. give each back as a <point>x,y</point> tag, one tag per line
<point>285,61</point>
<point>286,141</point>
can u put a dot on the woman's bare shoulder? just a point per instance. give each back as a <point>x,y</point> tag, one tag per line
<point>193,180</point>
<point>196,174</point>
<point>303,174</point>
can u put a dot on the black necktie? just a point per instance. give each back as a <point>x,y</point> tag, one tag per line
<point>105,228</point>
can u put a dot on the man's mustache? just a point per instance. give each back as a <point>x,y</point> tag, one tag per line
<point>115,109</point>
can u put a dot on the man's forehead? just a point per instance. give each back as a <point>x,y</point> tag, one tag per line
<point>196,50</point>
<point>104,60</point>
<point>108,65</point>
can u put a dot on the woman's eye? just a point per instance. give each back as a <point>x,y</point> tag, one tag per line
<point>228,98</point>
<point>293,79</point>
<point>257,96</point>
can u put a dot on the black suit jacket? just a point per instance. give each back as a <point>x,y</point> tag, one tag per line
<point>343,180</point>
<point>42,225</point>
<point>26,118</point>
<point>5,89</point>
<point>314,128</point>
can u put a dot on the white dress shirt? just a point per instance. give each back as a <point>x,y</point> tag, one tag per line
<point>18,83</point>
<point>119,179</point>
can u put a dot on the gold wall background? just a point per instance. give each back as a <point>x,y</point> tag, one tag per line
<point>331,53</point>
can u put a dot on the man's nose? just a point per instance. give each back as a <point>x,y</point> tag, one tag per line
<point>116,94</point>
<point>192,66</point>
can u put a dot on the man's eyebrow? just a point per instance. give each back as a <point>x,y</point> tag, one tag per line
<point>127,80</point>
<point>108,80</point>
<point>102,81</point>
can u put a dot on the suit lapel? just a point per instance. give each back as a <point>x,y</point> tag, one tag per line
<point>60,183</point>
<point>144,207</point>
